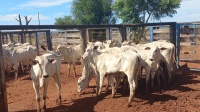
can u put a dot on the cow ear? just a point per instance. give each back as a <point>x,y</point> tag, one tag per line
<point>147,48</point>
<point>96,47</point>
<point>51,60</point>
<point>162,48</point>
<point>34,62</point>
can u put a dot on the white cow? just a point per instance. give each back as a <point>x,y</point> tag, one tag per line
<point>111,43</point>
<point>15,55</point>
<point>44,67</point>
<point>71,54</point>
<point>106,63</point>
<point>23,55</point>
<point>150,61</point>
<point>167,50</point>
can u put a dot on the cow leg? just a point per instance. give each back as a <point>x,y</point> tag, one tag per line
<point>100,84</point>
<point>74,67</point>
<point>36,88</point>
<point>110,78</point>
<point>107,84</point>
<point>132,85</point>
<point>97,82</point>
<point>169,73</point>
<point>58,84</point>
<point>152,80</point>
<point>117,79</point>
<point>125,84</point>
<point>69,66</point>
<point>23,68</point>
<point>147,78</point>
<point>16,70</point>
<point>163,78</point>
<point>45,94</point>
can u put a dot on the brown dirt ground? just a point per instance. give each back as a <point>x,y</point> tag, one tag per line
<point>182,96</point>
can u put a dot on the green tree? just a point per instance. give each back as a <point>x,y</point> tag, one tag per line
<point>66,20</point>
<point>92,11</point>
<point>139,11</point>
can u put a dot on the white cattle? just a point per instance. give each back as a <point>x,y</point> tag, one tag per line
<point>71,54</point>
<point>44,67</point>
<point>7,59</point>
<point>127,42</point>
<point>106,63</point>
<point>23,55</point>
<point>15,55</point>
<point>167,50</point>
<point>150,61</point>
<point>111,43</point>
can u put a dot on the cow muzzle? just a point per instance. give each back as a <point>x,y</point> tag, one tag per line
<point>151,59</point>
<point>45,76</point>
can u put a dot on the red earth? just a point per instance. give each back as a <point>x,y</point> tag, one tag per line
<point>181,96</point>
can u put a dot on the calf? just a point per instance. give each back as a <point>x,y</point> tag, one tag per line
<point>71,54</point>
<point>44,67</point>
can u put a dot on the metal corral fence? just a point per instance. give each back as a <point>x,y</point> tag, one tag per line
<point>84,38</point>
<point>188,43</point>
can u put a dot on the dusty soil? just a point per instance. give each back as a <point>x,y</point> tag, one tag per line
<point>182,96</point>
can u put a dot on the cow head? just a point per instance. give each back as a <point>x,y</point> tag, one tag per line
<point>60,48</point>
<point>89,52</point>
<point>83,83</point>
<point>43,63</point>
<point>153,53</point>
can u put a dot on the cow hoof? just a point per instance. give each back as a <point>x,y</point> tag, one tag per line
<point>44,107</point>
<point>127,105</point>
<point>38,110</point>
<point>97,96</point>
<point>58,102</point>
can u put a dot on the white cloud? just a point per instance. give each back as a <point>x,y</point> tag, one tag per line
<point>59,14</point>
<point>9,17</point>
<point>43,3</point>
<point>12,17</point>
<point>35,17</point>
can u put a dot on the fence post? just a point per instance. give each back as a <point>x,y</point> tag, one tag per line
<point>49,40</point>
<point>3,96</point>
<point>122,31</point>
<point>151,33</point>
<point>177,45</point>
<point>11,37</point>
<point>37,43</point>
<point>83,39</point>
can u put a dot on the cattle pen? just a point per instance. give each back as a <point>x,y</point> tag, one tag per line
<point>10,29</point>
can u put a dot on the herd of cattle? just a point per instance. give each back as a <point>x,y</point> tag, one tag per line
<point>112,60</point>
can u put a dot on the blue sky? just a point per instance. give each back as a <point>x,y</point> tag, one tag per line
<point>189,11</point>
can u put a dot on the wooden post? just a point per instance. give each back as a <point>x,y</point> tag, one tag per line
<point>49,40</point>
<point>122,31</point>
<point>37,43</point>
<point>177,46</point>
<point>18,36</point>
<point>83,39</point>
<point>3,96</point>
<point>11,37</point>
<point>30,40</point>
<point>173,34</point>
<point>6,38</point>
<point>2,38</point>
<point>151,33</point>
